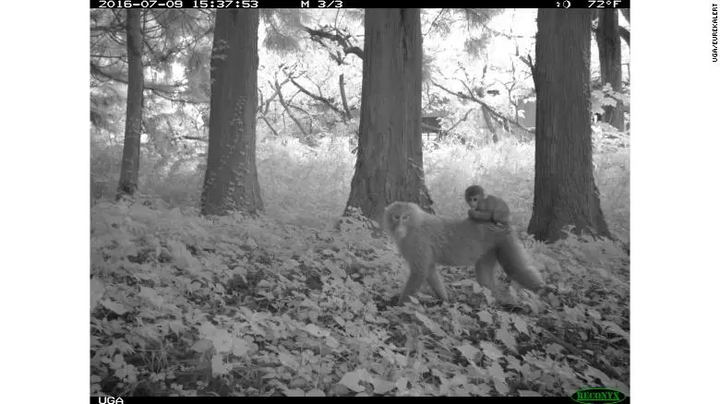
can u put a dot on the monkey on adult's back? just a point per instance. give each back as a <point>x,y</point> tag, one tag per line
<point>425,240</point>
<point>485,207</point>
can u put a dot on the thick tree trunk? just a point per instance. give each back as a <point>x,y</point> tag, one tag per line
<point>389,163</point>
<point>130,166</point>
<point>608,40</point>
<point>231,181</point>
<point>565,191</point>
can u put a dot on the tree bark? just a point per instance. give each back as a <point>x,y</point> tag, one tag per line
<point>130,166</point>
<point>389,163</point>
<point>231,181</point>
<point>608,40</point>
<point>565,191</point>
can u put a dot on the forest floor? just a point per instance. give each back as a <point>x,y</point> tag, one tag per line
<point>182,305</point>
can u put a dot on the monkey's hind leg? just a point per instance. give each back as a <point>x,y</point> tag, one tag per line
<point>485,275</point>
<point>516,262</point>
<point>485,270</point>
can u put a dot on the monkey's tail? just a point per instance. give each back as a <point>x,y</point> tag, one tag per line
<point>516,263</point>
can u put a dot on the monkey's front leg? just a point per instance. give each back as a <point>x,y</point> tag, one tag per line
<point>418,274</point>
<point>436,283</point>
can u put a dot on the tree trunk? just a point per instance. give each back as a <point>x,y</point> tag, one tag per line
<point>389,163</point>
<point>231,181</point>
<point>608,40</point>
<point>130,166</point>
<point>626,13</point>
<point>565,191</point>
<point>489,123</point>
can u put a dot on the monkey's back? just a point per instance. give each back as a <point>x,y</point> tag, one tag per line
<point>453,242</point>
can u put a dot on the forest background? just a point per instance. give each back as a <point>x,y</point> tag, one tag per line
<point>698,163</point>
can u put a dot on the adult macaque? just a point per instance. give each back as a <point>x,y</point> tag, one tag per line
<point>425,240</point>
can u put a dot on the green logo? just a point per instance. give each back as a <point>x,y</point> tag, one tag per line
<point>598,395</point>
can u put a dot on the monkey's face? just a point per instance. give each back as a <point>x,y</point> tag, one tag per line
<point>473,201</point>
<point>398,224</point>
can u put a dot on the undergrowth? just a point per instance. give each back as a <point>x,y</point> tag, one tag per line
<point>295,303</point>
<point>309,186</point>
<point>183,305</point>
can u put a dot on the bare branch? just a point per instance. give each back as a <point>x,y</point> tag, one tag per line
<point>429,128</point>
<point>278,91</point>
<point>264,118</point>
<point>166,91</point>
<point>317,35</point>
<point>529,63</point>
<point>341,84</point>
<point>625,34</point>
<point>199,139</point>
<point>463,119</point>
<point>490,110</point>
<point>264,106</point>
<point>432,24</point>
<point>626,12</point>
<point>313,96</point>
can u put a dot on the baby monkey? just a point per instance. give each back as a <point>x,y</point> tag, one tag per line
<point>486,207</point>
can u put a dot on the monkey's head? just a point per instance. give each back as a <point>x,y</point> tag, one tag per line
<point>473,195</point>
<point>398,215</point>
